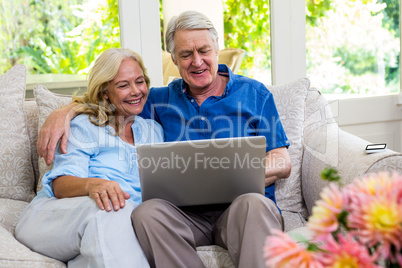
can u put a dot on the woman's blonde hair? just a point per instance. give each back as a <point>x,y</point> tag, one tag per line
<point>104,70</point>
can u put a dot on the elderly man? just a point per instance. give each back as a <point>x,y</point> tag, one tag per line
<point>208,102</point>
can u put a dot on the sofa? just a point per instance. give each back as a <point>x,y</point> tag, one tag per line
<point>316,143</point>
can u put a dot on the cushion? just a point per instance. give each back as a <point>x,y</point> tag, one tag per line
<point>16,172</point>
<point>31,118</point>
<point>47,102</point>
<point>290,100</point>
<point>170,70</point>
<point>215,257</point>
<point>232,57</point>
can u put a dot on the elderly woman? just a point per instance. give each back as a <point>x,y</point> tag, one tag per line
<point>82,214</point>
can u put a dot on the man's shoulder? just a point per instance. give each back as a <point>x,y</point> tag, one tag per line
<point>160,94</point>
<point>156,91</point>
<point>250,84</point>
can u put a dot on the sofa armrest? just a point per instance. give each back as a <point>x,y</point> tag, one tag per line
<point>326,145</point>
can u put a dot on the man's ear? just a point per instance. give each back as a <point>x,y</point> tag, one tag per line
<point>174,61</point>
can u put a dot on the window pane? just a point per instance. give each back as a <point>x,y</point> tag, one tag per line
<point>247,26</point>
<point>56,36</point>
<point>353,46</point>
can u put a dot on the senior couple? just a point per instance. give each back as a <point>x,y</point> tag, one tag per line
<point>91,199</point>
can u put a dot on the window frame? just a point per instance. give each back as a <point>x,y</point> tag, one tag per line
<point>288,40</point>
<point>140,32</point>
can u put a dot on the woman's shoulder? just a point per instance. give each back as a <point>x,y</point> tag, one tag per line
<point>82,118</point>
<point>150,128</point>
<point>82,121</point>
<point>146,123</point>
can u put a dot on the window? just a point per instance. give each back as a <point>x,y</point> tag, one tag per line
<point>353,46</point>
<point>58,36</point>
<point>247,26</point>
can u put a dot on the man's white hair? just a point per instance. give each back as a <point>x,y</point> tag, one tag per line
<point>188,20</point>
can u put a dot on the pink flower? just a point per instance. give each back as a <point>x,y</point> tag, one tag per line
<point>281,251</point>
<point>324,218</point>
<point>374,184</point>
<point>345,253</point>
<point>376,213</point>
<point>371,210</point>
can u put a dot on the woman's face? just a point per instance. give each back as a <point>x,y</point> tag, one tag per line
<point>128,91</point>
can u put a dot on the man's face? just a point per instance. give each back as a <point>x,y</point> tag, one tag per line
<point>196,58</point>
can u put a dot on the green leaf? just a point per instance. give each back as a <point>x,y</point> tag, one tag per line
<point>330,174</point>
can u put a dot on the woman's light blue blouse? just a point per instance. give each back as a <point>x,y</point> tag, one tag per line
<point>94,151</point>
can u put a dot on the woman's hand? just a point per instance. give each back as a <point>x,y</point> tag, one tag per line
<point>104,192</point>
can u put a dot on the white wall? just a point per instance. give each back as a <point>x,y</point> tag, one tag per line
<point>375,119</point>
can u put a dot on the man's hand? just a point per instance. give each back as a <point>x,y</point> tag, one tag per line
<point>278,165</point>
<point>56,127</point>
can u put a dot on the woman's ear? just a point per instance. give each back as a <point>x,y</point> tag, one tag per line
<point>105,96</point>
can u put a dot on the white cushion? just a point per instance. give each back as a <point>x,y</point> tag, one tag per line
<point>47,102</point>
<point>16,172</point>
<point>31,118</point>
<point>290,100</point>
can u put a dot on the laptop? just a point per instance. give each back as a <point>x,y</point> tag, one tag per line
<point>201,172</point>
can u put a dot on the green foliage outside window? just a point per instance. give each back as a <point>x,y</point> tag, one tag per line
<point>247,26</point>
<point>335,62</point>
<point>56,36</point>
<point>354,48</point>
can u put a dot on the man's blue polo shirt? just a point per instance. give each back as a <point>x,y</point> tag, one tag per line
<point>246,108</point>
